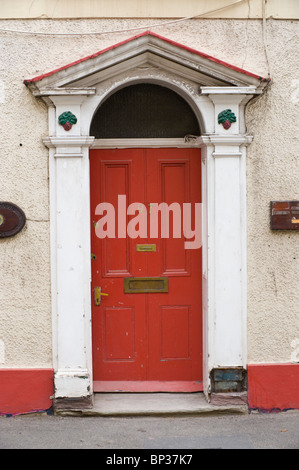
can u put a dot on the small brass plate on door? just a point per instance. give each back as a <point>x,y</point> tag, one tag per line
<point>139,285</point>
<point>146,247</point>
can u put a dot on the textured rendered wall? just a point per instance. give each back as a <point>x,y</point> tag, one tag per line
<point>272,174</point>
<point>148,9</point>
<point>272,168</point>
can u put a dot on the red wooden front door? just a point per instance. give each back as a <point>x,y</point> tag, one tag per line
<point>145,341</point>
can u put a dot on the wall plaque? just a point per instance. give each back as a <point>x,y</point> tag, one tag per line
<point>12,219</point>
<point>285,215</point>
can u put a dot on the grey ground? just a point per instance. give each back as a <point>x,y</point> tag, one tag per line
<point>230,431</point>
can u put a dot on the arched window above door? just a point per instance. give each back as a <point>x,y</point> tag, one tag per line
<point>144,110</point>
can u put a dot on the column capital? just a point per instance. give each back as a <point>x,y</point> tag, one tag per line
<point>68,141</point>
<point>228,140</point>
<point>214,91</point>
<point>70,146</point>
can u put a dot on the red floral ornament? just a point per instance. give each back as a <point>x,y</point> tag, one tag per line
<point>226,118</point>
<point>67,120</point>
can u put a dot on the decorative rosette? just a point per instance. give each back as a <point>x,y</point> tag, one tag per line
<point>67,120</point>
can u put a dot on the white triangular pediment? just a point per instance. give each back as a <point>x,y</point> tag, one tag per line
<point>144,50</point>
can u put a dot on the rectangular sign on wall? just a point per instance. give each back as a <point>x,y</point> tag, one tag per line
<point>285,215</point>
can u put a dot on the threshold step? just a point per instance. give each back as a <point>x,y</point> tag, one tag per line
<point>152,404</point>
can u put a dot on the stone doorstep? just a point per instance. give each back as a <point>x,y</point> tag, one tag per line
<point>153,404</point>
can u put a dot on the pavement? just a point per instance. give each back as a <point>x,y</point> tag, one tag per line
<point>145,435</point>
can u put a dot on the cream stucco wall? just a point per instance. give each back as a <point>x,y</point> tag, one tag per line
<point>272,171</point>
<point>272,174</point>
<point>148,8</point>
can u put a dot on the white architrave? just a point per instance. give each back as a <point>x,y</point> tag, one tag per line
<point>209,88</point>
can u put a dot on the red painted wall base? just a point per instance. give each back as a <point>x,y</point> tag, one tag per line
<point>25,390</point>
<point>273,387</point>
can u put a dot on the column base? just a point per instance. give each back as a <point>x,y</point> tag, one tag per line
<point>72,383</point>
<point>73,404</point>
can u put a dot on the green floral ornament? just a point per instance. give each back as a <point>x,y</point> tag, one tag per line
<point>226,118</point>
<point>66,120</point>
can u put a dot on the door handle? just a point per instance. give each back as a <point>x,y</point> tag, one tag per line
<point>97,296</point>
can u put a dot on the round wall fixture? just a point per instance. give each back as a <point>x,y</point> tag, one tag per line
<point>12,219</point>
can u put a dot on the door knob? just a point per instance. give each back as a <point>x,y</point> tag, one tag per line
<point>97,295</point>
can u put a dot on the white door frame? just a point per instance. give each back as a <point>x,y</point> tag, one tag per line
<point>81,89</point>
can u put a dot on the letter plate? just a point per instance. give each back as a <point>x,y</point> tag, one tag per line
<point>139,285</point>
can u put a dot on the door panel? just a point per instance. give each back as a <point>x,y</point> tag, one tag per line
<point>179,311</point>
<point>116,252</point>
<point>175,332</point>
<point>120,346</point>
<point>148,337</point>
<point>115,324</point>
